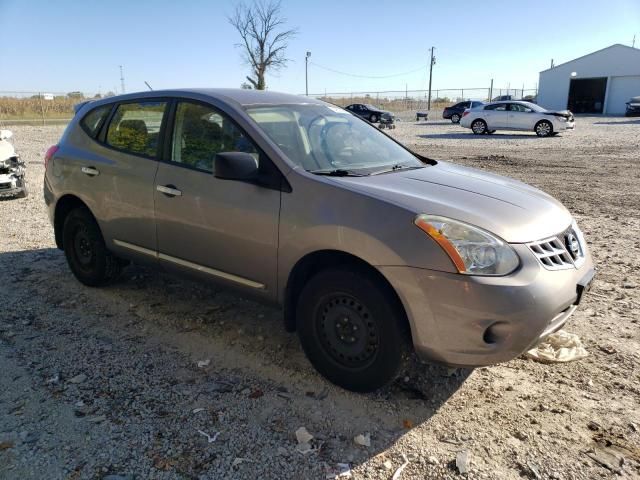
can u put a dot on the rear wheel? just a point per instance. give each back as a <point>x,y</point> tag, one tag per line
<point>351,329</point>
<point>478,127</point>
<point>455,118</point>
<point>373,118</point>
<point>543,128</point>
<point>87,256</point>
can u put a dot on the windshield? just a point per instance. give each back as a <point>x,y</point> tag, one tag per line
<point>323,138</point>
<point>371,107</point>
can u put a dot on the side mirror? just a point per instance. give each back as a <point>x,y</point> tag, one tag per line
<point>235,166</point>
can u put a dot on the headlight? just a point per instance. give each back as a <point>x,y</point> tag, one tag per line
<point>472,250</point>
<point>562,119</point>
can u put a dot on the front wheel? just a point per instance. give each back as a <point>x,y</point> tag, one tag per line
<point>87,256</point>
<point>478,127</point>
<point>352,329</point>
<point>455,118</point>
<point>543,128</point>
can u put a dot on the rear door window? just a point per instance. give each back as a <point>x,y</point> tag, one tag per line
<point>135,127</point>
<point>93,120</point>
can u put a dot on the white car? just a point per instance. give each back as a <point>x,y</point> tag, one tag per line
<point>515,115</point>
<point>12,173</point>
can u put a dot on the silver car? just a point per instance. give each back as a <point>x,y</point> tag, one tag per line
<point>369,248</point>
<point>517,115</point>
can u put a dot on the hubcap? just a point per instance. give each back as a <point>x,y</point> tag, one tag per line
<point>478,127</point>
<point>348,332</point>
<point>543,128</point>
<point>455,118</point>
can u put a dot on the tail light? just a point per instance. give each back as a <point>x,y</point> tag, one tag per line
<point>465,113</point>
<point>51,151</point>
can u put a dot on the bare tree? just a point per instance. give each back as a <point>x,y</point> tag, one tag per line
<point>264,39</point>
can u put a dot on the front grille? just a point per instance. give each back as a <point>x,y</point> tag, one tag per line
<point>5,186</point>
<point>561,252</point>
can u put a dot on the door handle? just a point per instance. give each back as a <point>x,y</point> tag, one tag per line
<point>169,190</point>
<point>91,171</point>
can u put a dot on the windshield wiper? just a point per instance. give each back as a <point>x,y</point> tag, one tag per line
<point>397,166</point>
<point>338,172</point>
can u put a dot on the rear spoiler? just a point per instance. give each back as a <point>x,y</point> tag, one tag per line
<point>78,106</point>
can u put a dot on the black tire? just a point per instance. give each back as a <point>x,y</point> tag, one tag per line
<point>87,256</point>
<point>352,329</point>
<point>455,118</point>
<point>543,128</point>
<point>24,193</point>
<point>373,118</point>
<point>478,126</point>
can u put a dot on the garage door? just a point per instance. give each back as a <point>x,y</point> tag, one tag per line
<point>621,89</point>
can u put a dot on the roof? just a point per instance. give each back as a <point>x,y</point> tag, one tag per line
<point>239,96</point>
<point>615,45</point>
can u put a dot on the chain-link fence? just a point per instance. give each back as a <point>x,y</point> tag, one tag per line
<point>408,102</point>
<point>41,107</point>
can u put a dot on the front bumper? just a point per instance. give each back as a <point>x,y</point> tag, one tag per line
<point>462,320</point>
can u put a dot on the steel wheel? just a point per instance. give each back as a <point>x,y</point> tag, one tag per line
<point>478,127</point>
<point>347,330</point>
<point>543,128</point>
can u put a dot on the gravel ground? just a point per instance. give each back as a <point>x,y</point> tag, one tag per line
<point>105,383</point>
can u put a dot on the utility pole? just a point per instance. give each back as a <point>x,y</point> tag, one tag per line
<point>431,64</point>
<point>306,74</point>
<point>491,90</point>
<point>633,43</point>
<point>121,79</point>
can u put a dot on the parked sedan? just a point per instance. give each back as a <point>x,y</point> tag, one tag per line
<point>523,116</point>
<point>371,249</point>
<point>371,113</point>
<point>454,112</point>
<point>633,107</point>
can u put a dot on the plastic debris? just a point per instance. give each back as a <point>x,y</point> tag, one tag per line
<point>198,410</point>
<point>78,378</point>
<point>362,440</point>
<point>237,461</point>
<point>203,363</point>
<point>462,461</point>
<point>210,439</point>
<point>303,436</point>
<point>387,465</point>
<point>342,470</point>
<point>398,472</point>
<point>558,347</point>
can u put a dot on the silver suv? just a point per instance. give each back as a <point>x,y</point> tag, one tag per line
<point>368,247</point>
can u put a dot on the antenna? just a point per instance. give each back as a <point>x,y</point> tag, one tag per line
<point>147,84</point>
<point>122,79</point>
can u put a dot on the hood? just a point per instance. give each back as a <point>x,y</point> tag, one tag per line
<point>559,113</point>
<point>6,150</point>
<point>515,211</point>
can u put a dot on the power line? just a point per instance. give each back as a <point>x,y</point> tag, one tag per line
<point>366,76</point>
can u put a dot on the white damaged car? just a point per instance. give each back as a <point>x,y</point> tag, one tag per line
<point>517,115</point>
<point>12,172</point>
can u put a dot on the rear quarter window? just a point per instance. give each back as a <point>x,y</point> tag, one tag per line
<point>93,120</point>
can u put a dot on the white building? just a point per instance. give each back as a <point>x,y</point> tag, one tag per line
<point>600,82</point>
